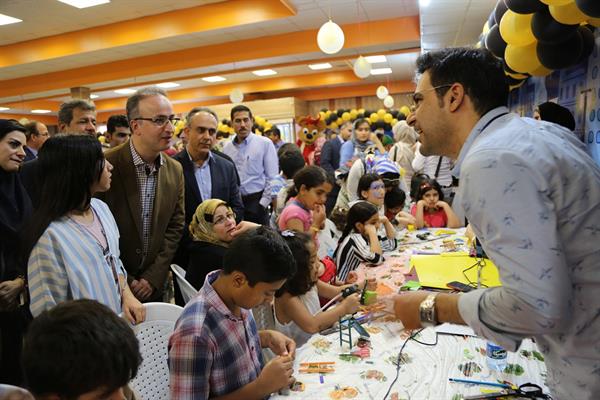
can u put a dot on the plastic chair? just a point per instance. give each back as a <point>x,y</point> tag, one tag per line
<point>152,380</point>
<point>186,288</point>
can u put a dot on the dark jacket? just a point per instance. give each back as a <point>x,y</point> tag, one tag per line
<point>203,258</point>
<point>330,155</point>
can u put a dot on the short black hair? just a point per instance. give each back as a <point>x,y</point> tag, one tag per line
<point>262,255</point>
<point>78,347</point>
<point>287,147</point>
<point>65,112</point>
<point>291,162</point>
<point>394,198</point>
<point>301,282</point>
<point>116,121</point>
<point>415,182</point>
<point>477,70</point>
<point>273,131</point>
<point>240,108</point>
<point>10,125</point>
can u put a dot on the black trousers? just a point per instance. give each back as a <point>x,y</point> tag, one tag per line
<point>253,210</point>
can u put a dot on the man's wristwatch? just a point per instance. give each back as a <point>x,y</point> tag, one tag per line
<point>427,312</point>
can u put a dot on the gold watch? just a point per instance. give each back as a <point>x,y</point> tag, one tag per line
<point>427,312</point>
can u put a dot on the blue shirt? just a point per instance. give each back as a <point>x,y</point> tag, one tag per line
<point>203,178</point>
<point>532,195</point>
<point>256,161</point>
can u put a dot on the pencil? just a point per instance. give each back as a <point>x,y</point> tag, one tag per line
<point>494,384</point>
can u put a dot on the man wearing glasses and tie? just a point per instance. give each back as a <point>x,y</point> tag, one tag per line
<point>146,195</point>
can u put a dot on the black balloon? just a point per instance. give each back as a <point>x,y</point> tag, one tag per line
<point>394,113</point>
<point>547,30</point>
<point>513,81</point>
<point>589,7</point>
<point>495,43</point>
<point>588,42</point>
<point>562,54</point>
<point>524,6</point>
<point>499,11</point>
<point>491,19</point>
<point>401,117</point>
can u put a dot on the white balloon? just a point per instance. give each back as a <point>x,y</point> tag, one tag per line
<point>382,92</point>
<point>236,96</point>
<point>362,68</point>
<point>330,38</point>
<point>388,101</point>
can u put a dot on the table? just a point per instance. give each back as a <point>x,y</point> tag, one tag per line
<point>424,370</point>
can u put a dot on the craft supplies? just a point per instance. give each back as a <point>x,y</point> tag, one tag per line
<point>482,383</point>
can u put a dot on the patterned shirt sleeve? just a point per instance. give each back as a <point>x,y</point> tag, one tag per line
<point>522,239</point>
<point>190,364</point>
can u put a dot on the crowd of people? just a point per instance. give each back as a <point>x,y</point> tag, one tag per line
<point>88,234</point>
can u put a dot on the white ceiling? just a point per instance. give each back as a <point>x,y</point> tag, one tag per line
<point>443,23</point>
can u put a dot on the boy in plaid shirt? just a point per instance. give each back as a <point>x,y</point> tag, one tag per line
<point>215,350</point>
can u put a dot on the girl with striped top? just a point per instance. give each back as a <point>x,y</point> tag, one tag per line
<point>72,242</point>
<point>359,242</point>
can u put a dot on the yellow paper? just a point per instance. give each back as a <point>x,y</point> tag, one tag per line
<point>437,270</point>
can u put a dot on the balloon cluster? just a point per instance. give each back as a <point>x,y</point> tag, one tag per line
<point>384,119</point>
<point>535,37</point>
<point>261,125</point>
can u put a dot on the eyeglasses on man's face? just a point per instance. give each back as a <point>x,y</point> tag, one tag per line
<point>418,97</point>
<point>161,120</point>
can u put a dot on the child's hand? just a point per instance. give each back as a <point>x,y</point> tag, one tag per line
<point>319,215</point>
<point>351,304</point>
<point>277,374</point>
<point>405,218</point>
<point>352,277</point>
<point>384,220</point>
<point>280,344</point>
<point>441,204</point>
<point>370,229</point>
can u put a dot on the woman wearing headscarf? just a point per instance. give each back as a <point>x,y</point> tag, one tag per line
<point>212,229</point>
<point>15,209</point>
<point>362,137</point>
<point>402,153</point>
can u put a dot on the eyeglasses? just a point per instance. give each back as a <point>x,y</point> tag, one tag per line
<point>417,97</point>
<point>160,121</point>
<point>221,219</point>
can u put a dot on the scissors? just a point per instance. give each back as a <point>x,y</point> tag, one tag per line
<point>526,391</point>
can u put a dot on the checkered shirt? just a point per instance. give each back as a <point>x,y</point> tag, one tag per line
<point>212,352</point>
<point>147,178</point>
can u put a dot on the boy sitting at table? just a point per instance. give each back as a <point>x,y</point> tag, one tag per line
<point>215,350</point>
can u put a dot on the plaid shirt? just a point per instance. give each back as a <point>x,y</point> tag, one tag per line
<point>147,177</point>
<point>212,352</point>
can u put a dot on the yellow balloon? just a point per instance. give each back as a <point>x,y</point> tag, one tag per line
<point>259,120</point>
<point>361,110</point>
<point>516,76</point>
<point>374,117</point>
<point>102,139</point>
<point>595,22</point>
<point>556,2</point>
<point>405,110</point>
<point>268,126</point>
<point>346,116</point>
<point>333,125</point>
<point>518,85</point>
<point>381,112</point>
<point>353,114</point>
<point>394,121</point>
<point>486,28</point>
<point>327,113</point>
<point>322,114</point>
<point>541,71</point>
<point>522,59</point>
<point>568,14</point>
<point>516,28</point>
<point>388,118</point>
<point>339,121</point>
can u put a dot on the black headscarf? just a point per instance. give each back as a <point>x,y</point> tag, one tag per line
<point>560,115</point>
<point>15,209</point>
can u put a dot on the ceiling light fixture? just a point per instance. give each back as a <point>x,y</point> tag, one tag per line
<point>381,71</point>
<point>213,79</point>
<point>316,67</point>
<point>94,96</point>
<point>6,20</point>
<point>125,91</point>
<point>84,3</point>
<point>424,3</point>
<point>375,59</point>
<point>264,72</point>
<point>4,108</point>
<point>168,85</point>
<point>39,111</point>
